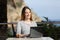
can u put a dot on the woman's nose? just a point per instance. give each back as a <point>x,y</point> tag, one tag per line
<point>27,14</point>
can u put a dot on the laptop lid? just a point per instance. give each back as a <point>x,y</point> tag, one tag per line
<point>35,32</point>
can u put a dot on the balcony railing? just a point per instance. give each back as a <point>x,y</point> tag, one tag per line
<point>12,23</point>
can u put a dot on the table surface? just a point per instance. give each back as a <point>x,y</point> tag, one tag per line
<point>41,38</point>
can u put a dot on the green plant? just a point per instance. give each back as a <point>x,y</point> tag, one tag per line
<point>51,30</point>
<point>9,32</point>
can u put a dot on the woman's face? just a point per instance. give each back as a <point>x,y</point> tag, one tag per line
<point>27,14</point>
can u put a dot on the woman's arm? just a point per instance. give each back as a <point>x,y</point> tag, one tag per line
<point>18,30</point>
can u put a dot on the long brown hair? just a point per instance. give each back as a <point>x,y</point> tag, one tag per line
<point>23,13</point>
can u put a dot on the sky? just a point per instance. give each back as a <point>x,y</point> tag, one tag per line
<point>45,8</point>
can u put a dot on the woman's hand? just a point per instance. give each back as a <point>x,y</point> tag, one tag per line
<point>21,35</point>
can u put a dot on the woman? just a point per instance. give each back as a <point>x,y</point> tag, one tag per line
<point>23,26</point>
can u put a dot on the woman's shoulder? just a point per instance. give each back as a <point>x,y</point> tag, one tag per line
<point>33,21</point>
<point>20,21</point>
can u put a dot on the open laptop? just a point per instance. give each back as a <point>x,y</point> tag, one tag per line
<point>35,32</point>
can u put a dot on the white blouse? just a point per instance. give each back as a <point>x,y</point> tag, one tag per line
<point>24,28</point>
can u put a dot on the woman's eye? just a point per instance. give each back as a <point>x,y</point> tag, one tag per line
<point>29,12</point>
<point>26,12</point>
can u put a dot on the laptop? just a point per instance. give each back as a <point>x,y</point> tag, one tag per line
<point>35,32</point>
